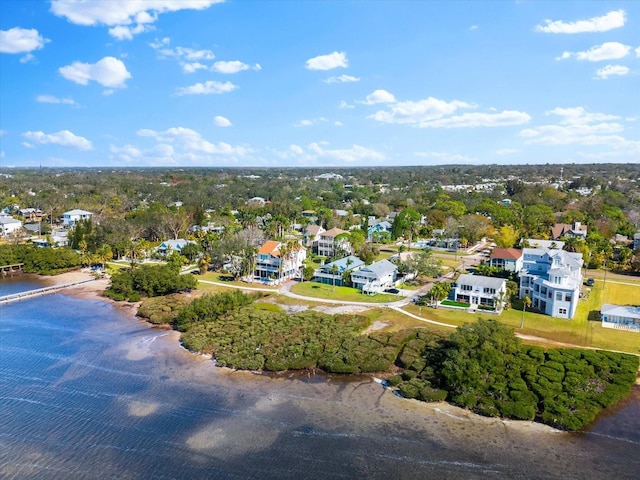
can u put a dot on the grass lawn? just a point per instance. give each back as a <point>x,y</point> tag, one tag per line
<point>228,280</point>
<point>584,330</point>
<point>619,293</point>
<point>345,294</point>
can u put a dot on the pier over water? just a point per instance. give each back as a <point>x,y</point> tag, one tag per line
<point>14,297</point>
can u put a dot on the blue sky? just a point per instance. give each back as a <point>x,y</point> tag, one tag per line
<point>317,83</point>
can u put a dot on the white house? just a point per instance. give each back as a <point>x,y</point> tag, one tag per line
<point>375,278</point>
<point>332,273</point>
<point>311,235</point>
<point>327,244</point>
<point>70,218</point>
<point>272,266</point>
<point>552,279</point>
<point>509,259</point>
<point>8,225</point>
<point>480,291</point>
<point>622,317</point>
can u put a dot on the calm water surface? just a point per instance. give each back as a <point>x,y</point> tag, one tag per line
<point>88,393</point>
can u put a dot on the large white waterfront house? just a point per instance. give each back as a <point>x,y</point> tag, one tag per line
<point>551,279</point>
<point>481,292</point>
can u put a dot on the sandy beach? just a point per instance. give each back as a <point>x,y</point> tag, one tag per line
<point>90,290</point>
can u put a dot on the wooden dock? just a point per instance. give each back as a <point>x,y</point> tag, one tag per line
<point>15,297</point>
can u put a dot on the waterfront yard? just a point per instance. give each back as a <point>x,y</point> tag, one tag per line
<point>343,294</point>
<point>583,330</point>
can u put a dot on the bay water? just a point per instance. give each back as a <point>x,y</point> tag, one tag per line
<point>89,392</point>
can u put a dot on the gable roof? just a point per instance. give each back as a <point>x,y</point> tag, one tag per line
<point>481,281</point>
<point>314,229</point>
<point>379,269</point>
<point>506,253</point>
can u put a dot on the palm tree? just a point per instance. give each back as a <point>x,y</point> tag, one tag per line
<point>334,271</point>
<point>526,302</point>
<point>103,255</point>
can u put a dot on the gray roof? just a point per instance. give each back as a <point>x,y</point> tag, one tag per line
<point>481,281</point>
<point>620,310</point>
<point>379,269</point>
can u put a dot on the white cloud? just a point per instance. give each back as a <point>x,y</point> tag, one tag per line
<point>233,66</point>
<point>577,126</point>
<point>579,115</point>
<point>193,67</point>
<point>344,104</point>
<point>3,133</point>
<point>598,53</point>
<point>638,52</point>
<point>191,142</point>
<point>108,72</point>
<point>308,123</point>
<point>342,79</point>
<point>206,88</point>
<point>54,99</point>
<point>410,112</point>
<point>28,145</point>
<point>28,58</point>
<point>64,138</point>
<point>128,151</point>
<point>21,40</point>
<point>478,119</point>
<point>126,17</point>
<point>609,70</point>
<point>124,32</point>
<point>338,123</point>
<point>613,19</point>
<point>379,96</point>
<point>317,152</point>
<point>220,121</point>
<point>328,62</point>
<point>474,27</point>
<point>182,53</point>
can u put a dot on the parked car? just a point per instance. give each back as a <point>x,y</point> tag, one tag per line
<point>590,282</point>
<point>392,290</point>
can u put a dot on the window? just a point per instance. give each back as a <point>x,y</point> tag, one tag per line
<point>466,288</point>
<point>562,311</point>
<point>489,290</point>
<point>559,296</point>
<point>567,297</point>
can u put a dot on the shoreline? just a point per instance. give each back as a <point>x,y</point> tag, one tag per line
<point>93,291</point>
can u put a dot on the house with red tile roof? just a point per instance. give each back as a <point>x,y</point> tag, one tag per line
<point>509,259</point>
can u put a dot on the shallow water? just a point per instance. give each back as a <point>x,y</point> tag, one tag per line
<point>88,393</point>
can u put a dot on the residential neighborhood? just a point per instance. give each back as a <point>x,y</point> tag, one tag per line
<point>493,254</point>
